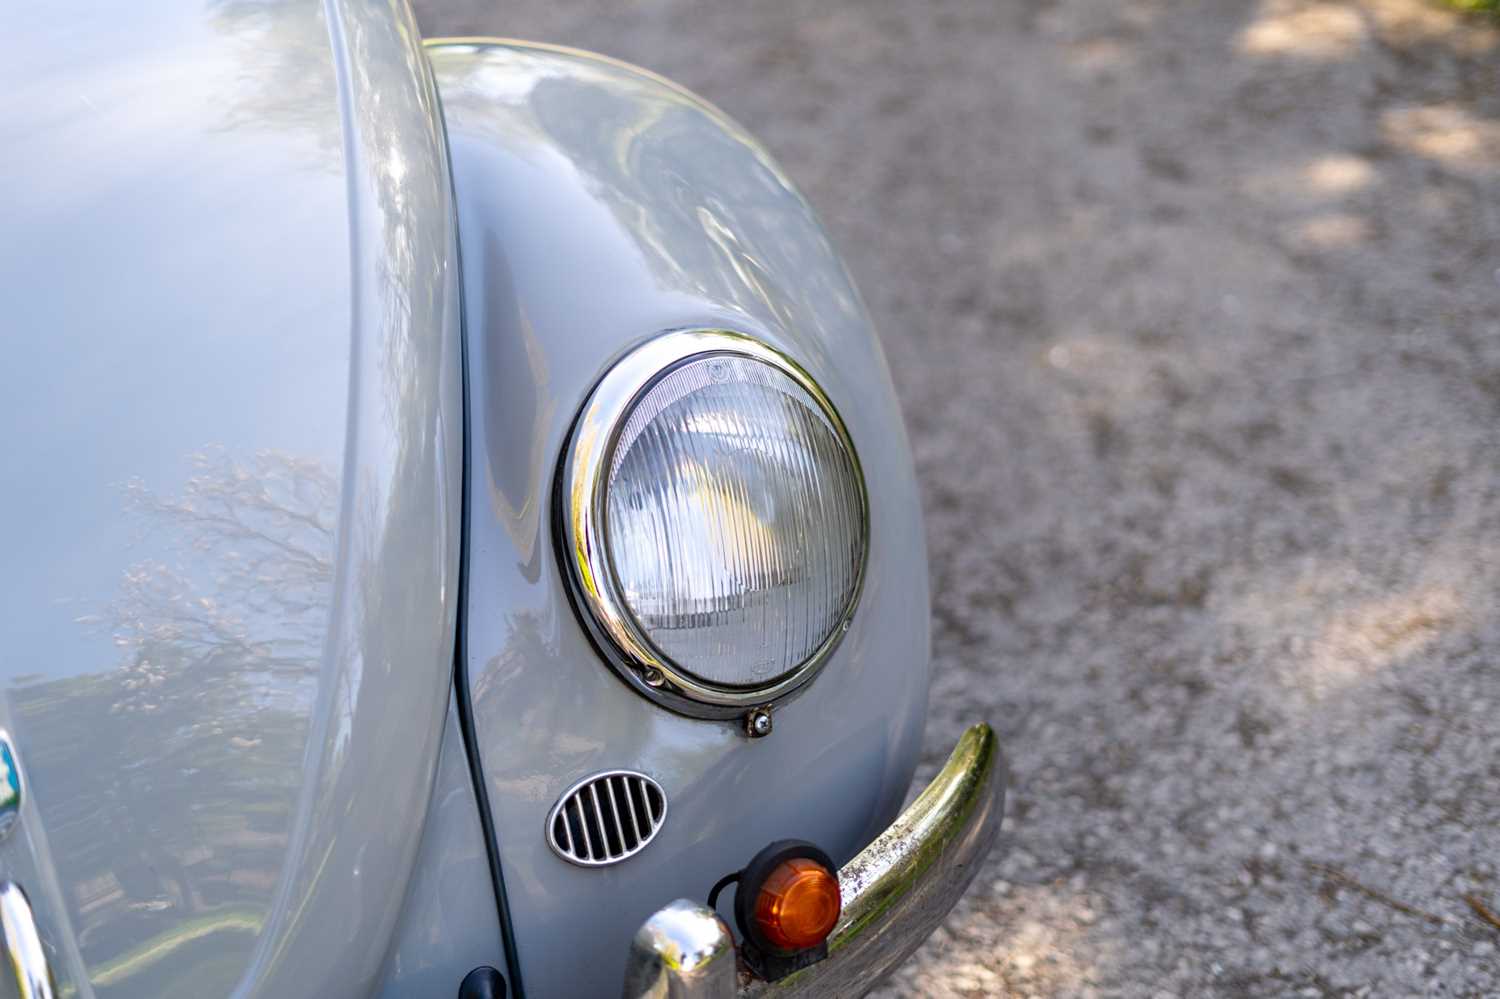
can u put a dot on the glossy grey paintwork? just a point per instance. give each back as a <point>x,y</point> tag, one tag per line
<point>598,206</point>
<point>448,924</point>
<point>231,403</point>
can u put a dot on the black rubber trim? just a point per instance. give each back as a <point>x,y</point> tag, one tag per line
<point>461,646</point>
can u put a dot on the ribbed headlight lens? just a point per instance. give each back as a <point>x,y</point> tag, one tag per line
<point>723,494</point>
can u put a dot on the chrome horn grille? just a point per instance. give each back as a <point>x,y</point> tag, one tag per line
<point>606,818</point>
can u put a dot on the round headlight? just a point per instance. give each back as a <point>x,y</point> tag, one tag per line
<point>714,521</point>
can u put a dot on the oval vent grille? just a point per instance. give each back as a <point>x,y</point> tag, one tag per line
<point>607,817</point>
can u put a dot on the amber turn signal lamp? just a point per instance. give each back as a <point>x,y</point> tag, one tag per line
<point>786,904</point>
<point>798,904</point>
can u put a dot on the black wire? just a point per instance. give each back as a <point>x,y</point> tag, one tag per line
<point>720,885</point>
<point>461,661</point>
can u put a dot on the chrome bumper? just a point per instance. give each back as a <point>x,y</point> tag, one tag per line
<point>896,891</point>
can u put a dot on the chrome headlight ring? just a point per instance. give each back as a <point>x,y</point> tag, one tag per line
<point>589,463</point>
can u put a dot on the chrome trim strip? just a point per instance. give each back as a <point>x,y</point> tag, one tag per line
<point>23,945</point>
<point>580,500</point>
<point>896,891</point>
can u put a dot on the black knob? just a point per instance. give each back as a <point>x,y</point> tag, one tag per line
<point>483,982</point>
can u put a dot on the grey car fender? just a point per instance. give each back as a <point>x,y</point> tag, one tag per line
<point>599,206</point>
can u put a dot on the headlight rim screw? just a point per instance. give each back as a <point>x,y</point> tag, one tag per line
<point>758,723</point>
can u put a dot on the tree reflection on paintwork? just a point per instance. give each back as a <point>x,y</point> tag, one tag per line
<point>219,639</point>
<point>214,787</point>
<point>284,48</point>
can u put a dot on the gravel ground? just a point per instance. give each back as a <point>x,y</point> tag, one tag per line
<point>1195,314</point>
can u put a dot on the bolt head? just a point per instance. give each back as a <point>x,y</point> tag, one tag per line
<point>758,723</point>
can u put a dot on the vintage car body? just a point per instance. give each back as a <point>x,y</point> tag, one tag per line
<point>293,675</point>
